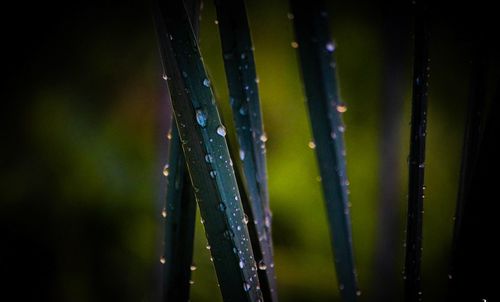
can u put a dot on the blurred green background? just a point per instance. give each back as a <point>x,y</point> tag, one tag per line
<point>83,132</point>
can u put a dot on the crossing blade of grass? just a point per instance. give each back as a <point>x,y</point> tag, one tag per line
<point>180,210</point>
<point>210,167</point>
<point>413,252</point>
<point>179,215</point>
<point>316,51</point>
<point>244,97</point>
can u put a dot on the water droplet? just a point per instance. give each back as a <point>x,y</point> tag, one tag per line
<point>208,246</point>
<point>201,118</point>
<point>209,158</point>
<point>169,135</point>
<point>267,222</point>
<point>246,286</point>
<point>243,56</point>
<point>216,22</point>
<point>318,178</point>
<point>243,110</point>
<point>164,213</point>
<point>184,74</point>
<point>193,267</point>
<point>242,154</point>
<point>290,16</point>
<point>191,282</point>
<point>330,46</point>
<point>222,206</point>
<point>221,130</point>
<point>341,128</point>
<point>341,286</point>
<point>162,260</point>
<point>450,276</point>
<point>257,80</point>
<point>165,77</point>
<point>333,135</point>
<point>341,107</point>
<point>206,82</point>
<point>312,145</point>
<point>262,265</point>
<point>358,293</point>
<point>263,137</point>
<point>242,264</point>
<point>238,228</point>
<point>294,44</point>
<point>421,165</point>
<point>245,218</point>
<point>165,170</point>
<point>213,173</point>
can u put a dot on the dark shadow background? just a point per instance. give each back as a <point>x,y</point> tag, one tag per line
<point>83,123</point>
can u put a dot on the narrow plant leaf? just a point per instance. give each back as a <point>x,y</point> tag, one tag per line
<point>180,210</point>
<point>316,51</point>
<point>210,167</point>
<point>413,252</point>
<point>179,214</point>
<point>244,98</point>
<point>467,232</point>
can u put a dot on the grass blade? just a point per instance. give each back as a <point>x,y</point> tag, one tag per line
<point>325,108</point>
<point>210,167</point>
<point>179,215</point>
<point>242,82</point>
<point>413,252</point>
<point>179,211</point>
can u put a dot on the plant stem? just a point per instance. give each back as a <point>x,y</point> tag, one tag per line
<point>316,51</point>
<point>210,167</point>
<point>413,254</point>
<point>242,83</point>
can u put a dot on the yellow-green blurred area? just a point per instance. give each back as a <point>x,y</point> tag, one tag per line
<point>83,146</point>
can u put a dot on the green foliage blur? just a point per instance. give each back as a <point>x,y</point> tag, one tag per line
<point>84,145</point>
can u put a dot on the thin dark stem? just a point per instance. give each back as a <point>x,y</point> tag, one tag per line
<point>412,274</point>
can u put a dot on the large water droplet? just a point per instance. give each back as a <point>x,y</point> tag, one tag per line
<point>206,82</point>
<point>201,118</point>
<point>221,130</point>
<point>246,286</point>
<point>341,107</point>
<point>242,154</point>
<point>330,46</point>
<point>165,170</point>
<point>262,265</point>
<point>163,260</point>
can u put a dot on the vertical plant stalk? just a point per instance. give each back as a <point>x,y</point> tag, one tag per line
<point>179,215</point>
<point>474,128</point>
<point>316,54</point>
<point>210,167</point>
<point>180,210</point>
<point>244,98</point>
<point>413,252</point>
